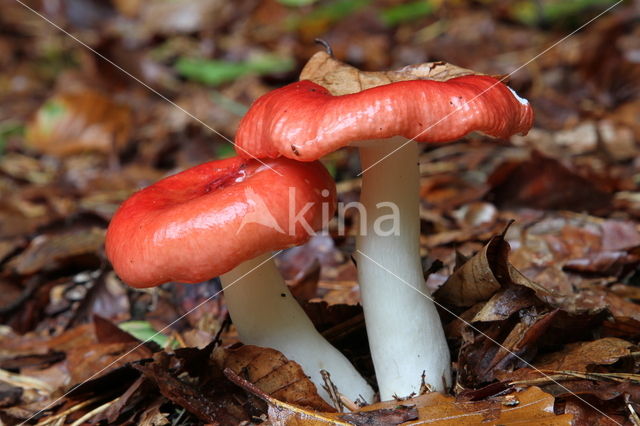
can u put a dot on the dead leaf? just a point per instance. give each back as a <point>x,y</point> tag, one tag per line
<point>483,275</point>
<point>273,374</point>
<point>83,362</point>
<point>383,416</point>
<point>342,79</point>
<point>283,413</point>
<point>579,356</point>
<point>72,123</point>
<point>190,379</point>
<point>152,416</point>
<point>546,184</point>
<point>528,407</point>
<point>506,302</point>
<point>603,263</point>
<point>619,235</point>
<point>9,395</point>
<point>48,250</point>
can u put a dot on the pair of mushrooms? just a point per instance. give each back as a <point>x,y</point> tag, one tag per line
<point>224,218</point>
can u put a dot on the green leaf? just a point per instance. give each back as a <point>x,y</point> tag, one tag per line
<point>331,12</point>
<point>225,151</point>
<point>229,104</point>
<point>395,15</point>
<point>532,13</point>
<point>215,72</point>
<point>296,3</point>
<point>143,331</point>
<point>49,113</point>
<point>9,129</point>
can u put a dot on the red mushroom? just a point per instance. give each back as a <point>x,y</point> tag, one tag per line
<point>223,218</point>
<point>304,121</point>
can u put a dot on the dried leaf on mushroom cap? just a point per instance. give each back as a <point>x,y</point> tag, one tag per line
<point>343,79</point>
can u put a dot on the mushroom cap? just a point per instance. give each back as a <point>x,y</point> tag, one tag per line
<point>206,220</point>
<point>304,121</point>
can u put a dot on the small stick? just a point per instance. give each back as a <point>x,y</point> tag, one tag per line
<point>332,390</point>
<point>424,386</point>
<point>633,416</point>
<point>94,412</point>
<point>351,406</point>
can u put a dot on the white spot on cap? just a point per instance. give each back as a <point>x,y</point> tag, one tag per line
<point>325,193</point>
<point>242,176</point>
<point>523,101</point>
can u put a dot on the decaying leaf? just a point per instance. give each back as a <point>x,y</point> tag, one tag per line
<point>579,356</point>
<point>273,374</point>
<point>506,302</point>
<point>342,79</point>
<point>528,407</point>
<point>190,395</point>
<point>78,122</point>
<point>545,183</point>
<point>483,275</point>
<point>283,413</point>
<point>45,251</point>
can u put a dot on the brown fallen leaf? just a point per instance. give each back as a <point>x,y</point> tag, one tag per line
<point>9,395</point>
<point>207,405</point>
<point>579,356</point>
<point>78,122</point>
<point>604,263</point>
<point>383,416</point>
<point>528,407</point>
<point>546,184</point>
<point>342,79</point>
<point>506,302</point>
<point>283,413</point>
<point>603,395</point>
<point>152,416</point>
<point>48,250</point>
<point>481,359</point>
<point>111,349</point>
<point>273,374</point>
<point>483,275</point>
<point>621,326</point>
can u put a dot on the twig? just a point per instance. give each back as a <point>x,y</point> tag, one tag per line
<point>633,416</point>
<point>95,411</point>
<point>69,410</point>
<point>332,390</point>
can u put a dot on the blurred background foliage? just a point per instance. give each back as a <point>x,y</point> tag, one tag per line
<point>79,134</point>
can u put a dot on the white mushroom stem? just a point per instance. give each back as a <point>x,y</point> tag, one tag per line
<point>265,313</point>
<point>403,326</point>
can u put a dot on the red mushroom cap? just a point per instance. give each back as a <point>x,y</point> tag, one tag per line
<point>304,121</point>
<point>203,222</point>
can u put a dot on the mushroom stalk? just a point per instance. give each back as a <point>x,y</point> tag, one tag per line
<point>265,313</point>
<point>403,326</point>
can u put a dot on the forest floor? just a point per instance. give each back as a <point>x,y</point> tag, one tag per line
<point>555,340</point>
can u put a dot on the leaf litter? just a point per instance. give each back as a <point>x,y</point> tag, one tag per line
<point>558,290</point>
